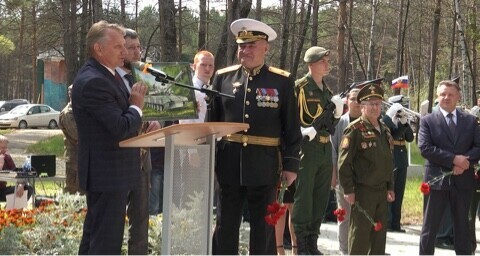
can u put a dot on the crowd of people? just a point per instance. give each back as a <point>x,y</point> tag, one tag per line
<point>300,134</point>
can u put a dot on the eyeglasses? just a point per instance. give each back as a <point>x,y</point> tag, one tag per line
<point>377,104</point>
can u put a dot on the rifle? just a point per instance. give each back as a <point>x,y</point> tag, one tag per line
<point>325,120</point>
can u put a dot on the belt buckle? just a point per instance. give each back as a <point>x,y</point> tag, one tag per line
<point>244,139</point>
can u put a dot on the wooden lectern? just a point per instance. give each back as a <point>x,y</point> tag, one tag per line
<point>188,190</point>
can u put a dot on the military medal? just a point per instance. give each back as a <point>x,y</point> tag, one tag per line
<point>345,142</point>
<point>363,145</point>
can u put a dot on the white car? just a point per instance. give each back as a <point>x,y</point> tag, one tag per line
<point>30,115</point>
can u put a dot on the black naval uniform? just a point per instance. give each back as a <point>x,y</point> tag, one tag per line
<point>249,163</point>
<point>401,134</point>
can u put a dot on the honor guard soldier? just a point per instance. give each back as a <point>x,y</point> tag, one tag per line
<point>365,167</point>
<point>315,176</point>
<point>249,164</point>
<point>396,119</point>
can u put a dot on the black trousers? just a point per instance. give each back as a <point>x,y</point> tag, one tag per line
<point>231,199</point>
<point>400,179</point>
<point>104,224</point>
<point>459,206</point>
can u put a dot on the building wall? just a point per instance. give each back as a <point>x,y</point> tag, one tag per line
<point>53,91</point>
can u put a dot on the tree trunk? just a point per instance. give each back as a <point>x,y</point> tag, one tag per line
<point>371,47</point>
<point>258,10</point>
<point>287,5</point>
<point>314,39</point>
<point>433,51</point>
<point>467,66</point>
<point>302,36</point>
<point>168,34</point>
<point>342,23</point>
<point>123,15</point>
<point>34,89</point>
<point>202,25</point>
<point>97,11</point>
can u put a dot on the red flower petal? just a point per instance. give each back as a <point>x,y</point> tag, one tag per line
<point>425,188</point>
<point>378,226</point>
<point>340,218</point>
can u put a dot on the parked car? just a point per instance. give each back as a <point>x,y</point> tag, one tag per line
<point>30,115</point>
<point>6,106</point>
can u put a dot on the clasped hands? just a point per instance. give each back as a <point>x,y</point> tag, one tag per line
<point>460,164</point>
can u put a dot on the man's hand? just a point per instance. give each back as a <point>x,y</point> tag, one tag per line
<point>393,110</point>
<point>390,196</point>
<point>20,190</point>
<point>289,177</point>
<point>457,170</point>
<point>350,198</point>
<point>461,161</point>
<point>153,126</point>
<point>338,106</point>
<point>403,117</point>
<point>137,95</point>
<point>309,131</point>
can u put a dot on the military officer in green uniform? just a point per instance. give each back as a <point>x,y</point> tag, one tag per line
<point>365,167</point>
<point>249,164</point>
<point>314,177</point>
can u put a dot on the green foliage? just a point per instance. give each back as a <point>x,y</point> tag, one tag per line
<point>412,207</point>
<point>52,145</point>
<point>416,157</point>
<point>6,45</point>
<point>11,241</point>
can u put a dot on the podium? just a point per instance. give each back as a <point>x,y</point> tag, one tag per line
<point>187,224</point>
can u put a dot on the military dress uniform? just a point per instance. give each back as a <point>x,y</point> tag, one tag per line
<point>315,175</point>
<point>365,167</point>
<point>248,164</point>
<point>401,133</point>
<point>70,141</point>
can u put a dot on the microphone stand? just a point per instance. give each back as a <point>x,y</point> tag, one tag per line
<point>209,92</point>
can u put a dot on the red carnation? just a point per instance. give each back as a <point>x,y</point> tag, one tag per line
<point>425,188</point>
<point>378,226</point>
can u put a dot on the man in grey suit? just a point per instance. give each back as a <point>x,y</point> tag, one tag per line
<point>354,112</point>
<point>449,140</point>
<point>106,115</point>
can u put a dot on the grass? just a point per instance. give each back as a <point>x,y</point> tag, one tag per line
<point>412,207</point>
<point>50,146</point>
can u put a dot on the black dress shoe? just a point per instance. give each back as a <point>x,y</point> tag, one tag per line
<point>444,245</point>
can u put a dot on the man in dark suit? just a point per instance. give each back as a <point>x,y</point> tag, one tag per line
<point>105,116</point>
<point>449,140</point>
<point>250,163</point>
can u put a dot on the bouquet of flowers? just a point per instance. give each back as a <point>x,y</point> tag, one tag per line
<point>276,209</point>
<point>425,186</point>
<point>377,226</point>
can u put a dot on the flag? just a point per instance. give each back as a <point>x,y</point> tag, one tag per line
<point>401,82</point>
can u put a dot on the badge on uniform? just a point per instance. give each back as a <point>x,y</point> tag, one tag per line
<point>345,142</point>
<point>267,97</point>
<point>236,85</point>
<point>364,145</point>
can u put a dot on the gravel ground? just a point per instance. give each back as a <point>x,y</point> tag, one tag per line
<point>19,140</point>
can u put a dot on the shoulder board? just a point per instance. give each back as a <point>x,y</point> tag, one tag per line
<point>279,71</point>
<point>228,69</point>
<point>301,82</point>
<point>357,124</point>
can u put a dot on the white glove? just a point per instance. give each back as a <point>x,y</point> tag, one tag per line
<point>309,131</point>
<point>393,110</point>
<point>338,106</point>
<point>475,111</point>
<point>403,117</point>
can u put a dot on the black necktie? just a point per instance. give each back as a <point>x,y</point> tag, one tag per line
<point>451,123</point>
<point>121,84</point>
<point>130,79</point>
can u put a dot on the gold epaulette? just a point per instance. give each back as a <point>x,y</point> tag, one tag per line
<point>279,71</point>
<point>300,83</point>
<point>357,124</point>
<point>228,69</point>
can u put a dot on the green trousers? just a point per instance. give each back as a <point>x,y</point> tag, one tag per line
<point>313,188</point>
<point>362,238</point>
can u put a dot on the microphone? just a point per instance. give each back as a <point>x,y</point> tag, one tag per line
<point>147,68</point>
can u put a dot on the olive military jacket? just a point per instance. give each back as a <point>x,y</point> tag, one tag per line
<point>266,101</point>
<point>365,156</point>
<point>312,101</point>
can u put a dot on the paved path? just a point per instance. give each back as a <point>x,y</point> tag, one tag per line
<point>397,243</point>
